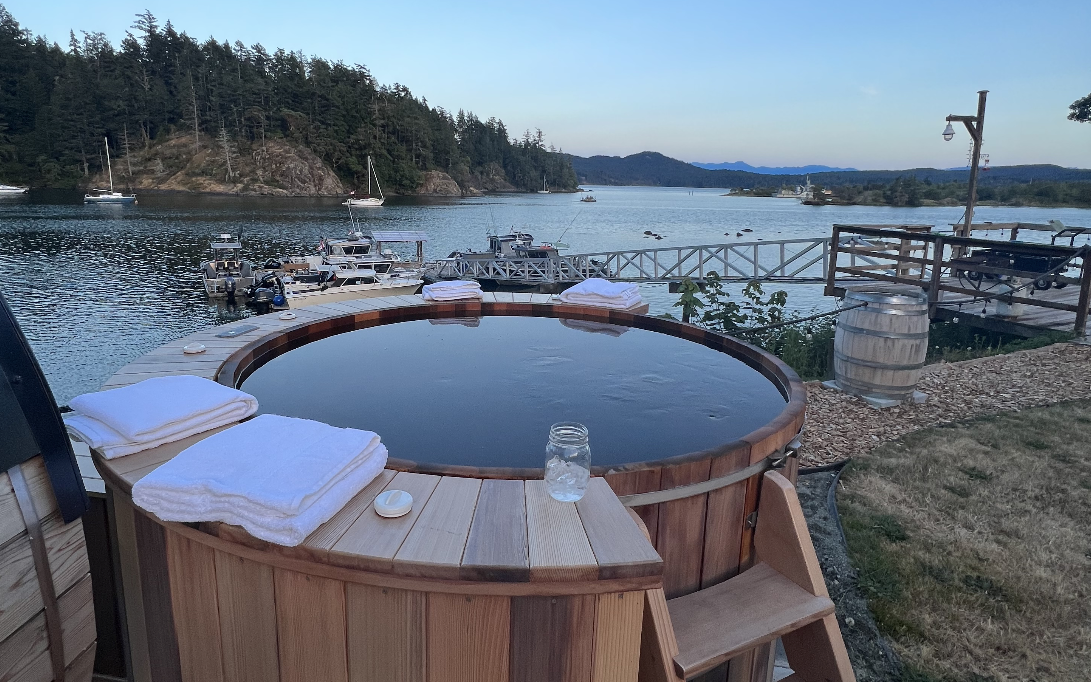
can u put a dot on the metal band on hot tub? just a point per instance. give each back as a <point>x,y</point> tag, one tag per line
<point>774,461</point>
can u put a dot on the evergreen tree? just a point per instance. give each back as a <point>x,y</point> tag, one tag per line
<point>58,106</point>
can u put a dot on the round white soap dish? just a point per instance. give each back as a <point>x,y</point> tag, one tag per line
<point>193,348</point>
<point>393,503</point>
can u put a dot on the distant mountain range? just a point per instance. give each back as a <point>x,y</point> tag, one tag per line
<point>767,170</point>
<point>656,170</point>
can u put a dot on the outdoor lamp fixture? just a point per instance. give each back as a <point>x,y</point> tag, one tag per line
<point>974,125</point>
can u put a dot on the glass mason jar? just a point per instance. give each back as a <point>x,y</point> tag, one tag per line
<point>568,461</point>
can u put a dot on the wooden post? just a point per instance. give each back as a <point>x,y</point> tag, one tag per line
<point>831,262</point>
<point>975,129</point>
<point>937,268</point>
<point>1085,294</point>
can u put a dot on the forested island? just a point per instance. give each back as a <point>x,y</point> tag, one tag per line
<point>185,115</point>
<point>1032,185</point>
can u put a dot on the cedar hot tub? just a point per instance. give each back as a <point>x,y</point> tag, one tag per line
<point>470,389</point>
<point>487,579</point>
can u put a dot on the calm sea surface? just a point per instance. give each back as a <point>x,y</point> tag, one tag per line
<point>97,286</point>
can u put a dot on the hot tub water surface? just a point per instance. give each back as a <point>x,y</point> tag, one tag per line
<point>483,392</point>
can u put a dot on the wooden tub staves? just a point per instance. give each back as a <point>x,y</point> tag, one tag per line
<point>47,618</point>
<point>47,615</point>
<point>703,535</point>
<point>701,515</point>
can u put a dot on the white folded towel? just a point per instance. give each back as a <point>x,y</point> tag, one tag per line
<point>279,478</point>
<point>603,293</point>
<point>160,410</point>
<point>454,290</point>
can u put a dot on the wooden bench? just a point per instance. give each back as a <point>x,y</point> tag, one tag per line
<point>782,596</point>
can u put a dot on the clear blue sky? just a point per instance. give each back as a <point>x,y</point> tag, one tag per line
<point>861,84</point>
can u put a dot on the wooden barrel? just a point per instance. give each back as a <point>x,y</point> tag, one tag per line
<point>47,616</point>
<point>879,350</point>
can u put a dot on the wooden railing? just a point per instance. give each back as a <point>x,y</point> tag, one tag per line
<point>942,267</point>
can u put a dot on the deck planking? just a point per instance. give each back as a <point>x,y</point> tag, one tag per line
<point>1034,320</point>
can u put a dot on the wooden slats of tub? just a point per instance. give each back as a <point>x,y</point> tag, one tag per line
<point>459,529</point>
<point>25,646</point>
<point>484,581</point>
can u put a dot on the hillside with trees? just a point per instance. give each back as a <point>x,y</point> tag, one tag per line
<point>1033,185</point>
<point>162,88</point>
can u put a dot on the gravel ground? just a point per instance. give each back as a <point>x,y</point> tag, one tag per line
<point>840,426</point>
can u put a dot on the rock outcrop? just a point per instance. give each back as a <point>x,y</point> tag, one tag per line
<point>438,184</point>
<point>490,178</point>
<point>276,167</point>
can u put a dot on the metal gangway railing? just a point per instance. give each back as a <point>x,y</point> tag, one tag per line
<point>797,260</point>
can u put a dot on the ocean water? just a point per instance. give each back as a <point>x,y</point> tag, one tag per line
<point>96,286</point>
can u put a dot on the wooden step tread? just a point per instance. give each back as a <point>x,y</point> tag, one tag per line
<point>755,607</point>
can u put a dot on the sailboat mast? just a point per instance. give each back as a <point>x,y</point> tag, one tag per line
<point>109,167</point>
<point>369,175</point>
<point>377,185</point>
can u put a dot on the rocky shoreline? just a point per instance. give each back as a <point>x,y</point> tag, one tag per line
<point>275,167</point>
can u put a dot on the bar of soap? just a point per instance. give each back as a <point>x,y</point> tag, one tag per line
<point>393,503</point>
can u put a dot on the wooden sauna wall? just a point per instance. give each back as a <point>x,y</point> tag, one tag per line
<point>213,616</point>
<point>24,643</point>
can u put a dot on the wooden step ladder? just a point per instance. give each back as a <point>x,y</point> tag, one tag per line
<point>782,596</point>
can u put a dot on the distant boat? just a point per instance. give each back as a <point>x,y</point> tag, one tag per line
<point>589,199</point>
<point>111,197</point>
<point>545,188</point>
<point>368,201</point>
<point>801,192</point>
<point>8,190</point>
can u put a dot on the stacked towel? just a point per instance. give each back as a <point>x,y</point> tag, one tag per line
<point>603,293</point>
<point>155,411</point>
<point>455,290</point>
<point>280,478</point>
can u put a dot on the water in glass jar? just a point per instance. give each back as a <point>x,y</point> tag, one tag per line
<point>568,461</point>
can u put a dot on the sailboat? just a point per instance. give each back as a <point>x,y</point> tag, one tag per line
<point>368,200</point>
<point>545,188</point>
<point>111,197</point>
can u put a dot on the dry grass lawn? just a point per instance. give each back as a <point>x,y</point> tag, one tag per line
<point>973,545</point>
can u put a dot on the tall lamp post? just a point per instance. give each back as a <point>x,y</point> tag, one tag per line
<point>974,124</point>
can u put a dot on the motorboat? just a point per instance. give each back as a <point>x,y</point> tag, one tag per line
<point>514,245</point>
<point>103,196</point>
<point>511,260</point>
<point>10,191</point>
<point>368,201</point>
<point>589,199</point>
<point>358,266</point>
<point>347,282</point>
<point>226,272</point>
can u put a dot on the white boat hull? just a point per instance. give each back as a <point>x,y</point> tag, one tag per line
<point>88,199</point>
<point>13,191</point>
<point>350,292</point>
<point>364,203</point>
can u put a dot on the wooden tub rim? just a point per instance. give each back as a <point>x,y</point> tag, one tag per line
<point>763,441</point>
<point>326,566</point>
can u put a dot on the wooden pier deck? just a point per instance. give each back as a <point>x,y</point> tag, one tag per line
<point>1033,321</point>
<point>946,268</point>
